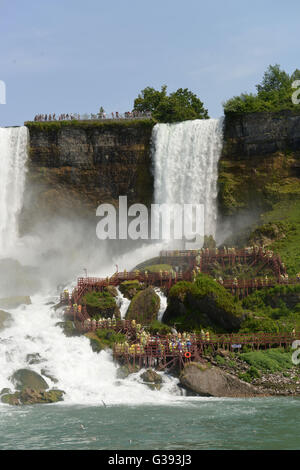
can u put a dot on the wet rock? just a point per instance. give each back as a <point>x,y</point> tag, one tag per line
<point>152,379</point>
<point>151,376</point>
<point>34,358</point>
<point>68,328</point>
<point>207,380</point>
<point>144,307</point>
<point>29,396</point>
<point>26,378</point>
<point>45,373</point>
<point>124,371</point>
<point>4,391</point>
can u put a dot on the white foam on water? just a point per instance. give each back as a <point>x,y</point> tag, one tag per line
<point>85,376</point>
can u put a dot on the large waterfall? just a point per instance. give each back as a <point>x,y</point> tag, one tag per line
<point>13,156</point>
<point>186,159</point>
<point>66,363</point>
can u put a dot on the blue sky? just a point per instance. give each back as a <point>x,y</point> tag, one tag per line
<point>74,56</point>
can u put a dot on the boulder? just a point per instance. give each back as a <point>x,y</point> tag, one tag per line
<point>5,319</point>
<point>151,376</point>
<point>203,304</point>
<point>68,328</point>
<point>125,370</point>
<point>210,381</point>
<point>144,307</point>
<point>34,358</point>
<point>30,396</point>
<point>26,378</point>
<point>152,379</point>
<point>14,302</point>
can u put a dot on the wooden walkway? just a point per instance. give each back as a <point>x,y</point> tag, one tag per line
<point>171,351</point>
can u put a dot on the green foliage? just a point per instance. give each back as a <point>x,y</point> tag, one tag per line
<point>202,304</point>
<point>110,337</point>
<point>274,310</point>
<point>157,327</point>
<point>180,105</point>
<point>88,124</point>
<point>252,373</point>
<point>206,286</point>
<point>220,360</point>
<point>101,300</point>
<point>156,268</point>
<point>274,93</point>
<point>273,360</point>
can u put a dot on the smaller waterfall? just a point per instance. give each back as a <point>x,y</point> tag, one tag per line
<point>13,157</point>
<point>163,303</point>
<point>123,304</point>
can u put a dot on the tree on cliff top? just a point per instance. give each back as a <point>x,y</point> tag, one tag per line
<point>274,93</point>
<point>181,105</point>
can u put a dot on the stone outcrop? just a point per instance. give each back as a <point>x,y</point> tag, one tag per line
<point>73,168</point>
<point>144,307</point>
<point>26,378</point>
<point>260,163</point>
<point>210,381</point>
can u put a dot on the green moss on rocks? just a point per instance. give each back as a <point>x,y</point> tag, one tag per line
<point>203,304</point>
<point>104,339</point>
<point>130,288</point>
<point>144,307</point>
<point>101,304</point>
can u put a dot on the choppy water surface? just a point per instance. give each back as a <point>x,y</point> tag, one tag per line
<point>268,423</point>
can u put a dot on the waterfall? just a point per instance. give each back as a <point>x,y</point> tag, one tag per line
<point>163,303</point>
<point>13,156</point>
<point>185,158</point>
<point>123,304</point>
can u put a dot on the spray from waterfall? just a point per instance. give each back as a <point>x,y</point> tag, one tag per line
<point>186,159</point>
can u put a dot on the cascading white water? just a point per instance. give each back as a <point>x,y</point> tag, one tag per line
<point>13,156</point>
<point>123,304</point>
<point>186,159</point>
<point>163,303</point>
<point>85,376</point>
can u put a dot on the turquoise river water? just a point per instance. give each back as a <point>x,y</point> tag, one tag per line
<point>204,423</point>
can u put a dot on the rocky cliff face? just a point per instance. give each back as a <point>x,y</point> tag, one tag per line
<point>74,167</point>
<point>260,164</point>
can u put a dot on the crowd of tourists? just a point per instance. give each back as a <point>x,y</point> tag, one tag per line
<point>102,115</point>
